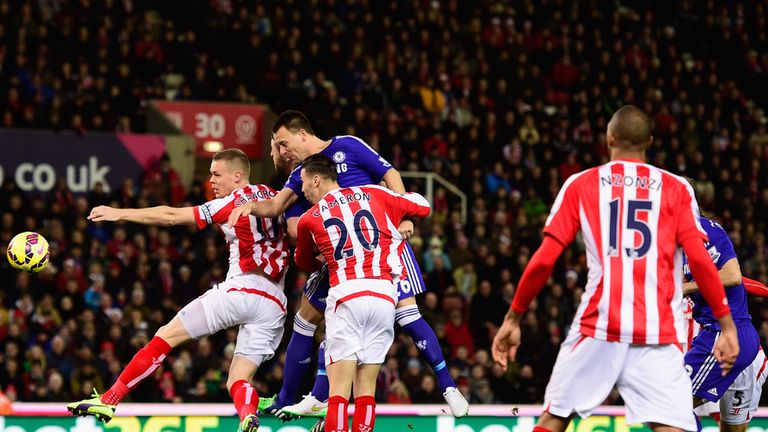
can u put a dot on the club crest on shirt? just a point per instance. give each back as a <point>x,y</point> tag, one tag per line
<point>339,157</point>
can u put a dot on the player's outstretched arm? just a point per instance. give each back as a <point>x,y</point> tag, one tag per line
<point>729,273</point>
<point>160,215</point>
<point>265,209</point>
<point>754,287</point>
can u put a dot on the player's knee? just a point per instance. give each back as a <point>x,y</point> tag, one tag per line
<point>308,313</point>
<point>407,314</point>
<point>408,301</point>
<point>303,326</point>
<point>173,333</point>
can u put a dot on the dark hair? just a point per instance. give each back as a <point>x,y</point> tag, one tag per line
<point>320,164</point>
<point>294,121</point>
<point>632,126</point>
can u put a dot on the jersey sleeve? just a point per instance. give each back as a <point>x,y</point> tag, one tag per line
<point>720,246</point>
<point>411,204</point>
<point>294,182</point>
<point>563,222</point>
<point>305,245</point>
<point>688,216</point>
<point>371,162</point>
<point>214,211</point>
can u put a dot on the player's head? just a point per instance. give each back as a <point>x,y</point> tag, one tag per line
<point>318,176</point>
<point>292,133</point>
<point>230,170</point>
<point>629,129</point>
<point>281,164</point>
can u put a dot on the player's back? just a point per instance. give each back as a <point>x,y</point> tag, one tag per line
<point>356,231</point>
<point>633,217</point>
<point>255,244</point>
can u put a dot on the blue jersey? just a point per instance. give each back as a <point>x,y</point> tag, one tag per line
<point>721,250</point>
<point>356,163</point>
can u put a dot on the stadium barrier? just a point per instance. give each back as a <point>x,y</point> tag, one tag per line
<point>53,417</point>
<point>429,192</point>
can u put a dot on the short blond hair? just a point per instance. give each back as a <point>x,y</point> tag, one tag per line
<point>236,156</point>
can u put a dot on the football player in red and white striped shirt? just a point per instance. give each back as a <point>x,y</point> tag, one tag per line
<point>251,297</point>
<point>628,329</point>
<point>355,230</point>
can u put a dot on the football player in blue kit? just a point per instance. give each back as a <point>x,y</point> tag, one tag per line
<point>738,391</point>
<point>357,165</point>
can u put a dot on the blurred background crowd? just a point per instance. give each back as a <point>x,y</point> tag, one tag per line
<point>504,99</point>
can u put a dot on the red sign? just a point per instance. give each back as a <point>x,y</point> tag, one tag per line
<point>217,126</point>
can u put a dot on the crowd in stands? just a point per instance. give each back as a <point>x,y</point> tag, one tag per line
<point>504,99</point>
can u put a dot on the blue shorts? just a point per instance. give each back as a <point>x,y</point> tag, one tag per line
<point>706,375</point>
<point>316,288</point>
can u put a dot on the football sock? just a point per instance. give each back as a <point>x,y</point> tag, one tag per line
<point>320,390</point>
<point>245,398</point>
<point>297,359</point>
<point>141,366</point>
<point>410,319</point>
<point>336,419</point>
<point>365,414</point>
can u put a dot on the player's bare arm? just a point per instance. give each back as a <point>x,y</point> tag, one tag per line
<point>160,215</point>
<point>730,275</point>
<point>266,209</point>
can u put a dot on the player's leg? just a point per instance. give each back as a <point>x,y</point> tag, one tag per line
<point>740,401</point>
<point>243,395</point>
<point>142,365</point>
<point>377,339</point>
<point>315,403</point>
<point>583,376</point>
<point>654,383</point>
<point>257,340</point>
<point>365,404</point>
<point>340,376</point>
<point>299,352</point>
<point>410,320</point>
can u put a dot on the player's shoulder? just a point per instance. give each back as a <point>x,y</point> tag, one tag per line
<point>295,172</point>
<point>673,180</point>
<point>350,143</point>
<point>711,226</point>
<point>376,189</point>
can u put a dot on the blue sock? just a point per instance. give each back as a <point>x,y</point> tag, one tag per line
<point>297,359</point>
<point>409,318</point>
<point>320,390</point>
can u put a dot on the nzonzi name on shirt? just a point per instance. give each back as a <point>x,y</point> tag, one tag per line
<point>642,182</point>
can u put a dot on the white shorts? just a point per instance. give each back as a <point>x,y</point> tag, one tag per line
<point>251,301</point>
<point>360,321</point>
<point>650,378</point>
<point>739,403</point>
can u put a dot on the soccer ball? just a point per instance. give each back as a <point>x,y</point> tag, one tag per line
<point>28,251</point>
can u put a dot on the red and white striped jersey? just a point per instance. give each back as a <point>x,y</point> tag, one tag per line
<point>633,218</point>
<point>356,231</point>
<point>254,243</point>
